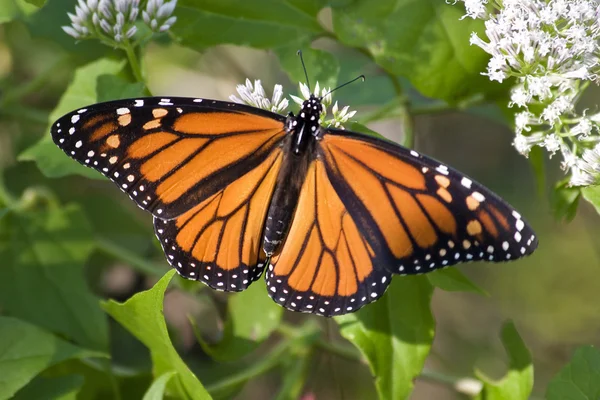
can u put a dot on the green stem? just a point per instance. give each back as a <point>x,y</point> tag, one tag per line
<point>133,62</point>
<point>138,263</point>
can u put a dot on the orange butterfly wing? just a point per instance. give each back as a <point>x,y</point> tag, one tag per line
<point>370,208</point>
<point>205,169</point>
<point>219,240</point>
<point>169,154</point>
<point>325,266</point>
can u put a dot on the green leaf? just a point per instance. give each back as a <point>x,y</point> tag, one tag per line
<point>592,195</point>
<point>157,390</point>
<point>142,315</point>
<point>518,381</point>
<point>42,388</point>
<point>579,379</point>
<point>452,280</point>
<point>41,279</point>
<point>261,23</point>
<point>26,350</point>
<point>3,212</point>
<point>47,22</point>
<point>565,200</point>
<point>37,3</point>
<point>80,93</point>
<point>8,11</point>
<point>424,41</point>
<point>112,87</point>
<point>251,318</point>
<point>321,66</point>
<point>394,334</point>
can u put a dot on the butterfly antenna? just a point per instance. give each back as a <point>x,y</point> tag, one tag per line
<point>304,68</point>
<point>344,84</point>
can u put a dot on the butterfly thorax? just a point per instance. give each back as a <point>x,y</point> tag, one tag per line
<point>303,131</point>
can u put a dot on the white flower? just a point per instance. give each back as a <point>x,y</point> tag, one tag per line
<point>523,144</point>
<point>255,96</point>
<point>113,20</point>
<point>523,120</point>
<point>586,171</point>
<point>340,117</point>
<point>157,15</point>
<point>552,143</point>
<point>583,128</point>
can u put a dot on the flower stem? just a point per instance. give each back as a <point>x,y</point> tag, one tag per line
<point>133,62</point>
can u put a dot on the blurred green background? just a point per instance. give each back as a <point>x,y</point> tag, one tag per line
<point>553,296</point>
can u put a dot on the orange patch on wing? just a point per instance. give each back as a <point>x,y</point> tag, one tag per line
<point>419,226</point>
<point>148,144</point>
<point>159,112</point>
<point>329,208</point>
<point>155,123</point>
<point>500,217</point>
<point>95,120</point>
<point>474,227</point>
<point>347,282</point>
<point>438,212</point>
<point>193,222</point>
<point>326,279</point>
<point>103,131</point>
<point>206,247</point>
<point>445,195</point>
<point>252,240</point>
<point>302,225</point>
<point>241,189</point>
<point>370,192</point>
<point>215,156</point>
<point>216,123</point>
<point>113,141</point>
<point>124,119</point>
<point>165,161</point>
<point>302,277</point>
<point>229,249</point>
<point>472,204</point>
<point>488,223</point>
<point>358,250</point>
<point>379,160</point>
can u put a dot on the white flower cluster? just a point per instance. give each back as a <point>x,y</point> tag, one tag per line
<point>254,95</point>
<point>551,48</point>
<point>114,20</point>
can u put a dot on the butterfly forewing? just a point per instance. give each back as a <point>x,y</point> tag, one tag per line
<point>169,154</point>
<point>419,214</point>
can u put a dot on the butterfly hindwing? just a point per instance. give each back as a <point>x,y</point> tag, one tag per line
<point>219,240</point>
<point>325,265</point>
<point>169,154</point>
<point>416,213</point>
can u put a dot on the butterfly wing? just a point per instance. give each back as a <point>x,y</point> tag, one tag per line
<point>219,240</point>
<point>325,266</point>
<point>169,154</point>
<point>372,208</point>
<point>205,169</point>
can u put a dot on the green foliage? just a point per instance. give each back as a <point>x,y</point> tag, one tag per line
<point>565,200</point>
<point>252,318</point>
<point>518,381</point>
<point>58,341</point>
<point>579,379</point>
<point>592,195</point>
<point>394,334</point>
<point>142,315</point>
<point>26,350</point>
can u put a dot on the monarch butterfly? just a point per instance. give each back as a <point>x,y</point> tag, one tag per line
<point>330,213</point>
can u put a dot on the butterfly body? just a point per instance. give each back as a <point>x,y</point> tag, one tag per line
<point>299,150</point>
<point>332,214</point>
